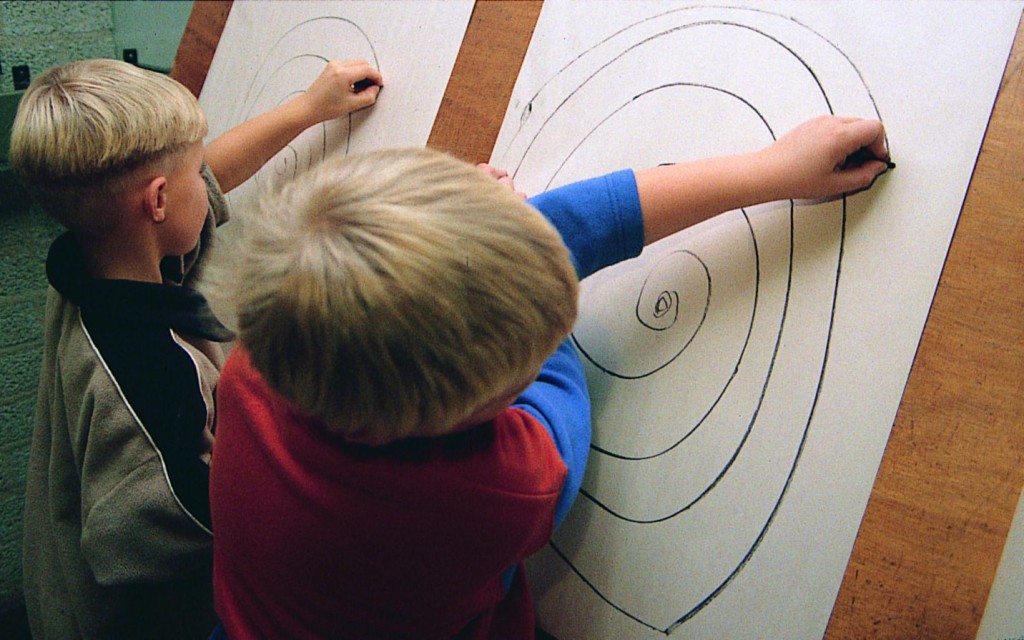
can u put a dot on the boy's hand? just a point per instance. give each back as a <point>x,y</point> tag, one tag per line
<point>501,176</point>
<point>342,87</point>
<point>810,161</point>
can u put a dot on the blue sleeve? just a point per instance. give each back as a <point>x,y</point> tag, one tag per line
<point>601,224</point>
<point>599,219</point>
<point>559,400</point>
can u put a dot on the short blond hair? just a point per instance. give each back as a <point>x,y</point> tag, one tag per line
<point>82,127</point>
<point>390,295</point>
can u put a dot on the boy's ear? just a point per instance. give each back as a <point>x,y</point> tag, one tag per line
<point>155,199</point>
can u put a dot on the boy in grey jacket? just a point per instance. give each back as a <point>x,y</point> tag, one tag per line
<point>118,541</point>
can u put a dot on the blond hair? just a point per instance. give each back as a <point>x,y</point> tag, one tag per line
<point>392,294</point>
<point>83,127</point>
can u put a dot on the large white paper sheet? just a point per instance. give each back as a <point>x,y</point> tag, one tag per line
<point>272,51</point>
<point>745,373</point>
<point>1004,612</point>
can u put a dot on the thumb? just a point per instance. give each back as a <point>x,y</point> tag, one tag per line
<point>367,96</point>
<point>862,177</point>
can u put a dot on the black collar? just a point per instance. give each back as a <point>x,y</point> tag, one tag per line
<point>130,302</point>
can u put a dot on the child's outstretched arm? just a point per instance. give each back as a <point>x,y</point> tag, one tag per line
<point>341,88</point>
<point>808,162</point>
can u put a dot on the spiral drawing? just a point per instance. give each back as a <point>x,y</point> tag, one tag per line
<point>286,69</point>
<point>706,355</point>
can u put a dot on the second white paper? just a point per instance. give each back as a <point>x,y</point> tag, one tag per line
<point>270,52</point>
<point>745,373</point>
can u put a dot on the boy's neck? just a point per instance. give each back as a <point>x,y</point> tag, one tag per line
<point>113,258</point>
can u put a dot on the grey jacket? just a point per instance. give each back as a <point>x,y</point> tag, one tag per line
<point>118,540</point>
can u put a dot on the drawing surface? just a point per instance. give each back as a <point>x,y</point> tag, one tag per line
<point>744,373</point>
<point>270,52</point>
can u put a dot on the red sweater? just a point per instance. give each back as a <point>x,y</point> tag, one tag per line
<point>332,540</point>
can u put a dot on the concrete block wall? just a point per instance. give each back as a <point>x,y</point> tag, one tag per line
<point>43,33</point>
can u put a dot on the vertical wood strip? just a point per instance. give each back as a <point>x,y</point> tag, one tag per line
<point>199,43</point>
<point>484,75</point>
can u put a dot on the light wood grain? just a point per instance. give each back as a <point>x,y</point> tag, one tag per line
<point>484,75</point>
<point>199,43</point>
